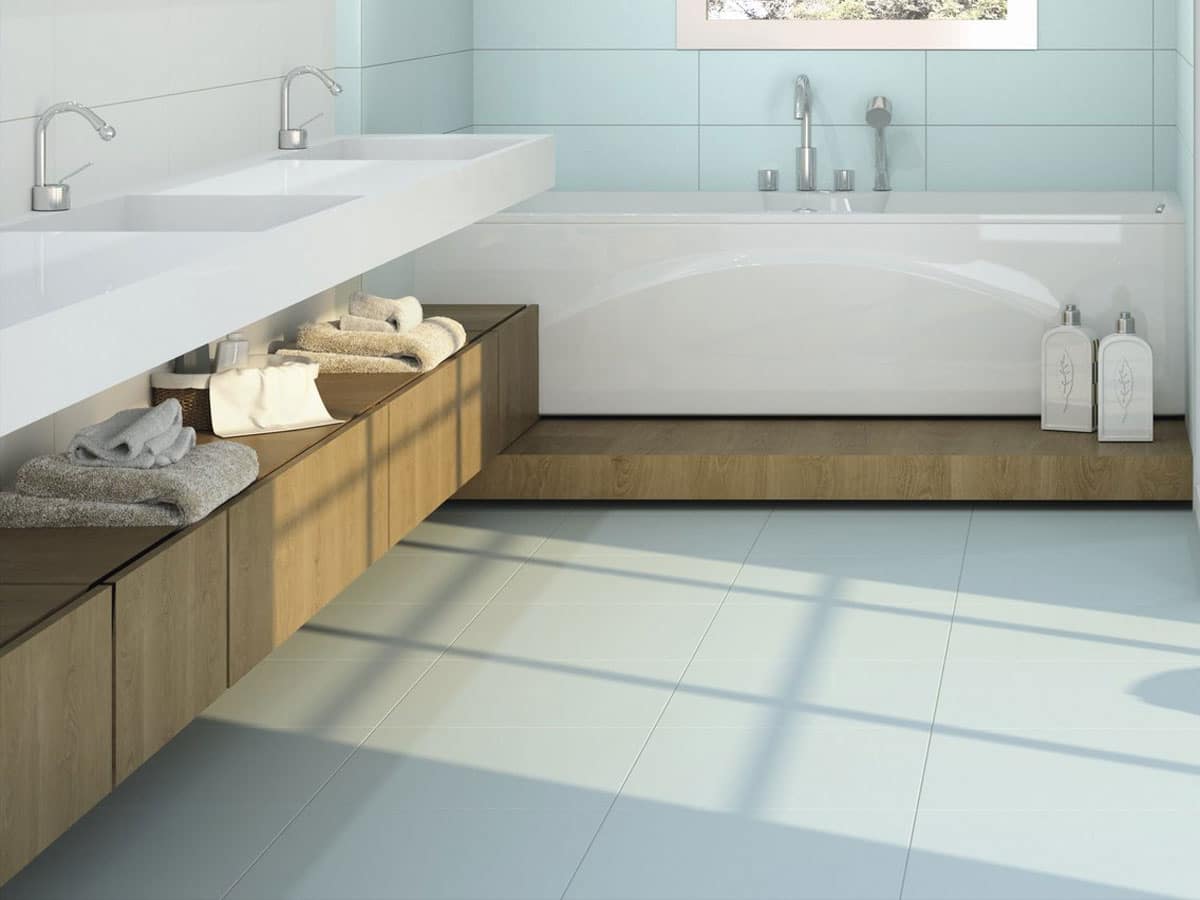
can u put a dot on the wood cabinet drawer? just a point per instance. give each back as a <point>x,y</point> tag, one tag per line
<point>301,537</point>
<point>480,433</point>
<point>517,378</point>
<point>170,638</point>
<point>56,728</point>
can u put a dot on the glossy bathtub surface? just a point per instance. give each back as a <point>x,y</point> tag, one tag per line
<point>893,304</point>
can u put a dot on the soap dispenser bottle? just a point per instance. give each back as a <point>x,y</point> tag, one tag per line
<point>1069,376</point>
<point>1126,367</point>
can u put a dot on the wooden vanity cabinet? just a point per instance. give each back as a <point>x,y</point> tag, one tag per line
<point>517,376</point>
<point>170,631</point>
<point>56,727</point>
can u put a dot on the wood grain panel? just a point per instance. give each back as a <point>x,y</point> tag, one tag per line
<point>480,426</point>
<point>424,449</point>
<point>853,459</point>
<point>56,728</point>
<point>170,638</point>
<point>520,402</point>
<point>299,539</point>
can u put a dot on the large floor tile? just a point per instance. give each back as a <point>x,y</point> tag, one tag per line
<point>1155,691</point>
<point>803,532</point>
<point>305,694</point>
<point>756,693</point>
<point>591,631</point>
<point>431,578</point>
<point>365,848</point>
<point>620,580</point>
<point>901,583</point>
<point>1060,769</point>
<point>658,532</point>
<point>485,530</point>
<point>654,851</point>
<point>192,819</point>
<point>460,691</point>
<point>1054,856</point>
<point>373,631</point>
<point>789,765</point>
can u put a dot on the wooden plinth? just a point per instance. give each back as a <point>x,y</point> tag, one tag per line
<point>832,459</point>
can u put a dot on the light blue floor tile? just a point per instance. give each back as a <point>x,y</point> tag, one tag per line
<point>618,580</point>
<point>863,532</point>
<point>674,534</point>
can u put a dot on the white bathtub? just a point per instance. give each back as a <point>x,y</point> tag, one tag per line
<point>818,304</point>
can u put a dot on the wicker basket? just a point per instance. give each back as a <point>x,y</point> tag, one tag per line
<point>192,393</point>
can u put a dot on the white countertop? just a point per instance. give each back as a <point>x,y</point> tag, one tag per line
<point>100,294</point>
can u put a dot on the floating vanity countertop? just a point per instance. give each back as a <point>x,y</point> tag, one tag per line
<point>111,289</point>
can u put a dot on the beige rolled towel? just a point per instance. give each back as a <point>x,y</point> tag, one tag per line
<point>405,313</point>
<point>424,347</point>
<point>359,323</point>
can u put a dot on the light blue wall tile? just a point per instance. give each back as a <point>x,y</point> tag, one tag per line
<point>430,95</point>
<point>1166,157</point>
<point>1185,102</point>
<point>408,29</point>
<point>348,110</point>
<point>563,24</point>
<point>1120,24</point>
<point>1047,158</point>
<point>1166,24</point>
<point>348,33</point>
<point>730,156</point>
<point>1166,75</point>
<point>585,87</point>
<point>758,88</point>
<point>1053,87</point>
<point>1186,39</point>
<point>621,158</point>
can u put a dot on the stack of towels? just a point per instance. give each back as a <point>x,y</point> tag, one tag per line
<point>380,334</point>
<point>140,468</point>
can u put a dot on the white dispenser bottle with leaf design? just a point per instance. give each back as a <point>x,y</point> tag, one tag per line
<point>1068,376</point>
<point>1126,369</point>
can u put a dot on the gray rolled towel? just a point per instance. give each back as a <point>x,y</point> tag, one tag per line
<point>135,439</point>
<point>424,347</point>
<point>173,495</point>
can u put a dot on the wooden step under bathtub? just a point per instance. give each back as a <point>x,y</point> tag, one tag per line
<point>832,459</point>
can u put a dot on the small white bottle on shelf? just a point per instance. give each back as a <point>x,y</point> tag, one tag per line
<point>1126,371</point>
<point>1069,376</point>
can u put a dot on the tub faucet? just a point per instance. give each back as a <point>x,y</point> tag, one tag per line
<point>879,117</point>
<point>806,154</point>
<point>57,197</point>
<point>297,138</point>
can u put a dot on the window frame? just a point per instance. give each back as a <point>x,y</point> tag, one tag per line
<point>695,31</point>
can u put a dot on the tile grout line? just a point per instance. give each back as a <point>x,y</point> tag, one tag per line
<point>383,719</point>
<point>662,712</point>
<point>936,702</point>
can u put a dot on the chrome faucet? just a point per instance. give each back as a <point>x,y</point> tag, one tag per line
<point>806,154</point>
<point>297,138</point>
<point>879,117</point>
<point>57,197</point>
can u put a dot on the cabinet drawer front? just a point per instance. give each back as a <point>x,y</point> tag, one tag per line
<point>299,539</point>
<point>481,429</point>
<point>171,632</point>
<point>518,374</point>
<point>55,729</point>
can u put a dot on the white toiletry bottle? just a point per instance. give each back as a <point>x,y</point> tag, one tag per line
<point>233,353</point>
<point>1068,376</point>
<point>1126,369</point>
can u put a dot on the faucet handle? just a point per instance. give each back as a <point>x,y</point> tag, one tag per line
<point>78,171</point>
<point>303,125</point>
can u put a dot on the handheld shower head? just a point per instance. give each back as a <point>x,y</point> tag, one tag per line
<point>879,112</point>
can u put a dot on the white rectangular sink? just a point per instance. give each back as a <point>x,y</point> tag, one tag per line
<point>412,147</point>
<point>156,213</point>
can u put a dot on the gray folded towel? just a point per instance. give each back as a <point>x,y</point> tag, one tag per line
<point>404,313</point>
<point>358,323</point>
<point>175,495</point>
<point>135,439</point>
<point>423,348</point>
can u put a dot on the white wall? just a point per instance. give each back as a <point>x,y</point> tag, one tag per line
<point>188,84</point>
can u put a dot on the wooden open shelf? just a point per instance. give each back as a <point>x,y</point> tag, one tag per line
<point>832,459</point>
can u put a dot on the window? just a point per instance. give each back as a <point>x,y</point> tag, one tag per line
<point>858,24</point>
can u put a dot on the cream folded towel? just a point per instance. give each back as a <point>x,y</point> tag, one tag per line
<point>349,364</point>
<point>359,323</point>
<point>176,495</point>
<point>266,400</point>
<point>404,313</point>
<point>135,439</point>
<point>423,348</point>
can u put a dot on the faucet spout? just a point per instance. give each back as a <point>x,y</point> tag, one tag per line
<point>806,155</point>
<point>57,197</point>
<point>297,138</point>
